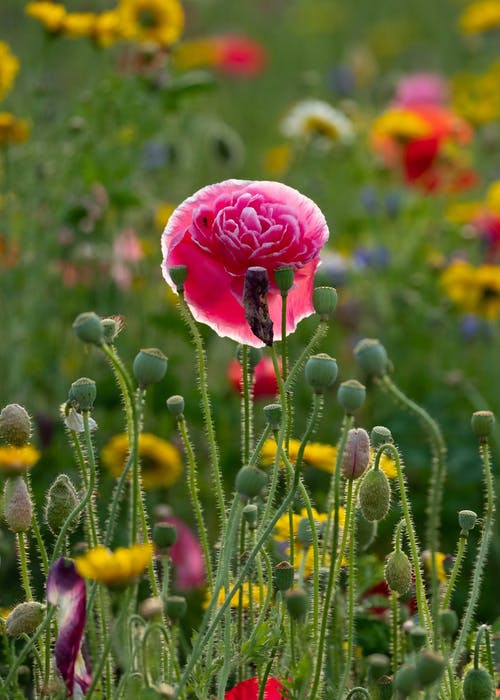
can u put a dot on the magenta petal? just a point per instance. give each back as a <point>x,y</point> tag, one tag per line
<point>224,229</point>
<point>66,590</point>
<point>187,557</point>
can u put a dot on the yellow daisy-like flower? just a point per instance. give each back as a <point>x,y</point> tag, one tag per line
<point>401,124</point>
<point>9,67</point>
<point>50,14</point>
<point>481,16</point>
<point>157,21</point>
<point>106,28</point>
<point>277,160</point>
<point>14,460</point>
<point>78,24</point>
<point>117,568</point>
<point>440,557</point>
<point>475,289</point>
<point>493,196</point>
<point>12,129</point>
<point>318,121</point>
<point>161,464</point>
<point>244,593</point>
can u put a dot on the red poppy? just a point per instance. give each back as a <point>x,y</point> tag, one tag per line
<point>265,384</point>
<point>239,55</point>
<point>249,690</point>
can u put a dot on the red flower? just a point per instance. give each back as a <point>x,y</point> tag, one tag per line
<point>249,690</point>
<point>239,55</point>
<point>265,385</point>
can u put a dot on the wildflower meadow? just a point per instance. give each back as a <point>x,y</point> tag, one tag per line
<point>250,315</point>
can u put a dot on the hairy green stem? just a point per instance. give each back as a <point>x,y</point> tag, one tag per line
<point>317,336</point>
<point>23,565</point>
<point>350,525</point>
<point>457,565</point>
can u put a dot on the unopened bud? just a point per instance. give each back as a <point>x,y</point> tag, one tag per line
<point>175,405</point>
<point>448,621</point>
<point>325,302</point>
<point>320,372</point>
<point>82,393</point>
<point>375,495</point>
<point>250,513</point>
<point>380,435</point>
<point>88,328</point>
<point>356,455</point>
<point>477,684</point>
<point>482,423</point>
<point>151,608</point>
<point>62,498</point>
<point>150,366</point>
<point>175,607</point>
<point>351,396</point>
<point>250,481</point>
<point>178,275</point>
<point>371,356</point>
<point>297,603</point>
<point>283,576</point>
<point>17,505</point>
<point>430,667</point>
<point>164,535</point>
<point>15,425</point>
<point>283,276</point>
<point>418,637</point>
<point>398,572</point>
<point>24,619</point>
<point>467,520</point>
<point>406,680</point>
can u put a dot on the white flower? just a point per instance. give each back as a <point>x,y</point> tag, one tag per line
<point>74,421</point>
<point>317,121</point>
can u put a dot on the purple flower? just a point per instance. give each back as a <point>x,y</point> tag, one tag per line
<point>66,590</point>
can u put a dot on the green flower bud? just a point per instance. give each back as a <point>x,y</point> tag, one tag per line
<point>62,498</point>
<point>482,423</point>
<point>380,435</point>
<point>254,356</point>
<point>366,530</point>
<point>351,396</point>
<point>283,576</point>
<point>467,520</point>
<point>448,621</point>
<point>430,667</point>
<point>297,603</point>
<point>398,572</point>
<point>321,372</point>
<point>375,495</point>
<point>418,637</point>
<point>273,414</point>
<point>110,329</point>
<point>356,455</point>
<point>88,328</point>
<point>406,680</point>
<point>378,665</point>
<point>325,302</point>
<point>17,505</point>
<point>250,481</point>
<point>304,532</point>
<point>15,425</point>
<point>371,356</point>
<point>149,366</point>
<point>82,394</point>
<point>175,405</point>
<point>175,607</point>
<point>164,535</point>
<point>283,276</point>
<point>385,689</point>
<point>250,513</point>
<point>178,275</point>
<point>24,619</point>
<point>477,684</point>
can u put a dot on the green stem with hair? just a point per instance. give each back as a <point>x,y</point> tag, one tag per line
<point>457,565</point>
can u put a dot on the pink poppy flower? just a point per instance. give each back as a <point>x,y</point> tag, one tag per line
<point>224,229</point>
<point>421,89</point>
<point>187,557</point>
<point>249,690</point>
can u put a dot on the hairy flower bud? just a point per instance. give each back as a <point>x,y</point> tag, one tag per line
<point>356,455</point>
<point>283,576</point>
<point>467,520</point>
<point>15,425</point>
<point>482,423</point>
<point>175,405</point>
<point>150,366</point>
<point>61,500</point>
<point>273,414</point>
<point>250,514</point>
<point>448,621</point>
<point>477,684</point>
<point>320,372</point>
<point>325,302</point>
<point>430,667</point>
<point>82,393</point>
<point>375,495</point>
<point>371,356</point>
<point>406,680</point>
<point>250,481</point>
<point>351,396</point>
<point>24,619</point>
<point>380,435</point>
<point>17,505</point>
<point>398,572</point>
<point>297,603</point>
<point>88,328</point>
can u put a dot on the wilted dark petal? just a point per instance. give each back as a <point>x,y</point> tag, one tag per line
<point>255,293</point>
<point>66,590</point>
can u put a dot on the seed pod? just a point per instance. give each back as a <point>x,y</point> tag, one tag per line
<point>24,619</point>
<point>467,520</point>
<point>82,393</point>
<point>164,535</point>
<point>406,680</point>
<point>378,665</point>
<point>61,499</point>
<point>178,275</point>
<point>375,495</point>
<point>88,328</point>
<point>351,396</point>
<point>325,301</point>
<point>320,372</point>
<point>283,276</point>
<point>150,366</point>
<point>273,414</point>
<point>398,572</point>
<point>430,667</point>
<point>250,481</point>
<point>482,423</point>
<point>371,356</point>
<point>297,603</point>
<point>175,405</point>
<point>15,425</point>
<point>356,455</point>
<point>17,505</point>
<point>477,684</point>
<point>283,576</point>
<point>175,607</point>
<point>418,637</point>
<point>380,435</point>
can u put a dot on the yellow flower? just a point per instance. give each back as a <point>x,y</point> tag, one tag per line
<point>106,28</point>
<point>277,159</point>
<point>9,67</point>
<point>244,593</point>
<point>440,558</point>
<point>161,463</point>
<point>195,53</point>
<point>116,568</point>
<point>157,21</point>
<point>163,213</point>
<point>462,212</point>
<point>50,14</point>
<point>477,96</point>
<point>78,24</point>
<point>480,16</point>
<point>400,124</point>
<point>475,289</point>
<point>12,129</point>
<point>493,197</point>
<point>17,459</point>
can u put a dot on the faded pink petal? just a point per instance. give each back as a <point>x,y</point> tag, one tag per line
<point>187,557</point>
<point>421,89</point>
<point>224,229</point>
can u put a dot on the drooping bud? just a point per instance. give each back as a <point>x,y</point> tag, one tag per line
<point>178,275</point>
<point>380,435</point>
<point>430,667</point>
<point>175,607</point>
<point>255,291</point>
<point>325,302</point>
<point>406,680</point>
<point>351,396</point>
<point>398,572</point>
<point>482,423</point>
<point>175,405</point>
<point>17,505</point>
<point>150,366</point>
<point>273,414</point>
<point>62,498</point>
<point>375,495</point>
<point>15,425</point>
<point>164,535</point>
<point>448,621</point>
<point>356,455</point>
<point>477,684</point>
<point>283,576</point>
<point>297,603</point>
<point>82,393</point>
<point>321,372</point>
<point>250,481</point>
<point>250,513</point>
<point>366,530</point>
<point>283,276</point>
<point>371,356</point>
<point>467,520</point>
<point>24,619</point>
<point>88,328</point>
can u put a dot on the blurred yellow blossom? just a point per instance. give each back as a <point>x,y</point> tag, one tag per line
<point>12,129</point>
<point>117,568</point>
<point>277,160</point>
<point>401,124</point>
<point>476,96</point>
<point>17,459</point>
<point>257,593</point>
<point>78,24</point>
<point>493,197</point>
<point>50,14</point>
<point>9,67</point>
<point>106,29</point>
<point>157,21</point>
<point>480,16</point>
<point>475,289</point>
<point>163,213</point>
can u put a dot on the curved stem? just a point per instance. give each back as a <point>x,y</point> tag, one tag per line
<point>356,691</point>
<point>462,545</point>
<point>317,336</point>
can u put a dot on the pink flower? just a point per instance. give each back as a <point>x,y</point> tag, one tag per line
<point>239,55</point>
<point>187,557</point>
<point>226,228</point>
<point>265,385</point>
<point>421,89</point>
<point>249,690</point>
